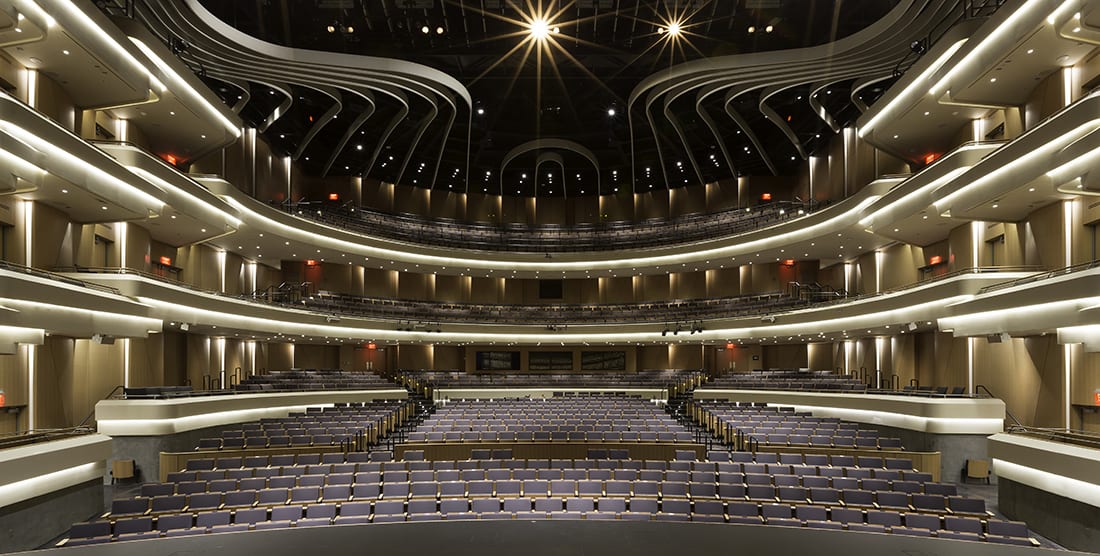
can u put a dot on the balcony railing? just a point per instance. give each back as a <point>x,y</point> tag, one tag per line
<point>549,238</point>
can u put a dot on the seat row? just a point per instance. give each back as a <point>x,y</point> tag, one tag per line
<point>186,498</point>
<point>720,511</point>
<point>554,436</point>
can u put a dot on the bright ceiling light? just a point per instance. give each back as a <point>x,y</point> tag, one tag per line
<point>539,29</point>
<point>674,28</point>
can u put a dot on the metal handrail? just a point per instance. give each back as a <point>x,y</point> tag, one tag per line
<point>109,395</point>
<point>1007,412</point>
<point>5,265</point>
<point>549,238</point>
<point>1067,436</point>
<point>1041,276</point>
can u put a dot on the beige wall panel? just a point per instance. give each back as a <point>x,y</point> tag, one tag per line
<point>483,207</point>
<point>485,290</point>
<point>819,357</point>
<point>688,285</point>
<point>445,204</point>
<point>1027,374</point>
<point>616,289</point>
<point>96,370</point>
<point>586,209</point>
<point>449,357</point>
<point>655,287</point>
<point>313,356</point>
<point>900,264</point>
<point>617,207</point>
<point>513,209</point>
<point>723,282</point>
<point>380,283</point>
<point>450,288</point>
<point>685,356</point>
<point>551,210</point>
<point>653,204</point>
<point>653,357</point>
<point>410,356</point>
<point>413,200</point>
<point>721,195</point>
<point>50,228</point>
<point>1043,242</point>
<point>174,358</point>
<point>786,356</point>
<point>55,102</point>
<point>415,286</point>
<point>687,200</point>
<point>57,403</point>
<point>280,356</point>
<point>1047,97</point>
<point>377,195</point>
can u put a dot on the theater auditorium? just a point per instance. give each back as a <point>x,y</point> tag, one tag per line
<point>549,276</point>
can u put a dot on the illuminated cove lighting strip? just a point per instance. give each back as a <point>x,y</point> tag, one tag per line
<point>179,83</point>
<point>1046,150</point>
<point>990,321</point>
<point>155,427</point>
<point>294,328</point>
<point>938,425</point>
<point>165,185</point>
<point>39,144</point>
<point>33,487</point>
<point>911,94</point>
<point>1074,489</point>
<point>977,55</point>
<point>806,233</point>
<point>93,28</point>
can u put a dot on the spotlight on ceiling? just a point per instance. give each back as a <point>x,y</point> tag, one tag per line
<point>440,30</point>
<point>425,29</point>
<point>539,29</point>
<point>769,29</point>
<point>331,28</point>
<point>674,29</point>
<point>610,111</point>
<point>752,28</point>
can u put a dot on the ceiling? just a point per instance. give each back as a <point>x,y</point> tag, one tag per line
<point>549,117</point>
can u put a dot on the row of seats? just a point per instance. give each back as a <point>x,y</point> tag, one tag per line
<point>432,311</point>
<point>643,378</point>
<point>721,511</point>
<point>316,427</point>
<point>794,379</point>
<point>555,436</point>
<point>290,490</point>
<point>314,379</point>
<point>784,426</point>
<point>543,238</point>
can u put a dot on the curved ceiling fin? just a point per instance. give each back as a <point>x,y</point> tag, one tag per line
<point>322,121</point>
<point>819,108</point>
<point>772,116</point>
<point>546,143</point>
<point>352,128</point>
<point>863,83</point>
<point>744,125</point>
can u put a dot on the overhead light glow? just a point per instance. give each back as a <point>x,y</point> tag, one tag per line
<point>674,28</point>
<point>539,29</point>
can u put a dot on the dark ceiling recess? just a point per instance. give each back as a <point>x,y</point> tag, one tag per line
<point>596,53</point>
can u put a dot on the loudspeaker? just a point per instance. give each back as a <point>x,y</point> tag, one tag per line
<point>997,338</point>
<point>101,339</point>
<point>185,327</point>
